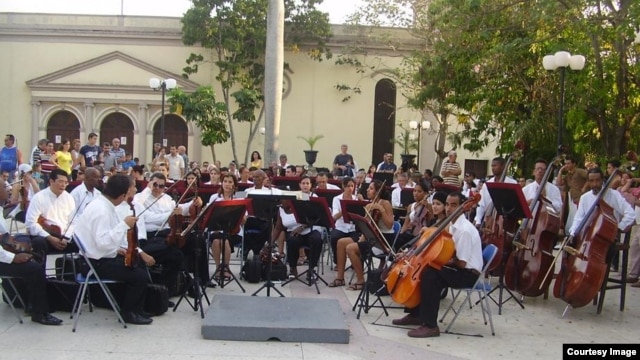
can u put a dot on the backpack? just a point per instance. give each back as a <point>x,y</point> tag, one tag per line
<point>252,270</point>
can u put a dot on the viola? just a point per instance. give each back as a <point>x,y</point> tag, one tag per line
<point>532,254</point>
<point>50,227</point>
<point>584,264</point>
<point>434,248</point>
<point>132,257</point>
<point>14,245</point>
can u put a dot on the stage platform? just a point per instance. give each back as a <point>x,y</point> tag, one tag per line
<point>255,318</point>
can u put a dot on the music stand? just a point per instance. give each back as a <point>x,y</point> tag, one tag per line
<point>509,202</point>
<point>286,183</point>
<point>406,197</point>
<point>328,194</point>
<point>373,237</point>
<point>446,188</point>
<point>348,207</point>
<point>265,208</point>
<point>312,212</point>
<point>225,217</point>
<point>384,177</point>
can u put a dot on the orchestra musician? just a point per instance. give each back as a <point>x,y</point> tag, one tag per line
<point>341,228</point>
<point>58,208</point>
<point>497,168</point>
<point>104,235</point>
<point>158,208</point>
<point>382,213</point>
<point>21,193</point>
<point>258,230</point>
<point>421,213</point>
<point>227,192</point>
<point>87,191</point>
<point>461,271</point>
<point>625,215</point>
<point>551,192</point>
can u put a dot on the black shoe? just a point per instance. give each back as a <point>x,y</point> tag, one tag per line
<point>136,319</point>
<point>171,304</point>
<point>46,319</point>
<point>145,314</point>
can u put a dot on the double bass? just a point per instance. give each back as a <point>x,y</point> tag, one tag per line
<point>494,228</point>
<point>533,243</point>
<point>584,263</point>
<point>434,247</point>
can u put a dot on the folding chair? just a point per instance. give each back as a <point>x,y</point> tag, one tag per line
<point>11,299</point>
<point>92,278</point>
<point>482,287</point>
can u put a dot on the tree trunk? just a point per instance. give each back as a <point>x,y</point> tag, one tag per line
<point>274,63</point>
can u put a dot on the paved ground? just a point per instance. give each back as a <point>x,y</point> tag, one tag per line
<point>537,332</point>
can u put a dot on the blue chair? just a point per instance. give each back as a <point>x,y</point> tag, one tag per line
<point>481,287</point>
<point>92,278</point>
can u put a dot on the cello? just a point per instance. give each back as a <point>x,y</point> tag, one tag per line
<point>533,243</point>
<point>494,226</point>
<point>584,264</point>
<point>434,247</point>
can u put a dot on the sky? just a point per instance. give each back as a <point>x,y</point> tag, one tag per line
<point>337,9</point>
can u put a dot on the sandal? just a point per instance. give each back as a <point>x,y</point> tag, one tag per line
<point>336,283</point>
<point>227,275</point>
<point>302,260</point>
<point>356,287</point>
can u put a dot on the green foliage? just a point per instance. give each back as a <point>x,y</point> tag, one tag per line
<point>235,31</point>
<point>405,140</point>
<point>311,140</point>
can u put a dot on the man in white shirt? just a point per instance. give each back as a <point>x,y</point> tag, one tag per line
<point>58,208</point>
<point>396,200</point>
<point>86,192</point>
<point>621,208</point>
<point>460,272</point>
<point>497,168</point>
<point>176,164</point>
<point>322,182</point>
<point>104,234</point>
<point>551,191</point>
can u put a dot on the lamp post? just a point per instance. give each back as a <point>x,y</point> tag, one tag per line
<point>561,60</point>
<point>424,125</point>
<point>163,85</point>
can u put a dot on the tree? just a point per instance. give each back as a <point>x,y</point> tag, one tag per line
<point>235,32</point>
<point>202,108</point>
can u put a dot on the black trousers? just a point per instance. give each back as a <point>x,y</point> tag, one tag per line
<point>336,235</point>
<point>294,243</point>
<point>432,283</point>
<point>40,245</point>
<point>33,275</point>
<point>134,278</point>
<point>171,258</point>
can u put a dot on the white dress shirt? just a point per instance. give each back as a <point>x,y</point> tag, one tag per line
<point>621,209</point>
<point>123,210</point>
<point>468,243</point>
<point>83,197</point>
<point>60,210</point>
<point>340,224</point>
<point>101,230</point>
<point>263,191</point>
<point>552,193</point>
<point>485,199</point>
<point>156,215</point>
<point>6,256</point>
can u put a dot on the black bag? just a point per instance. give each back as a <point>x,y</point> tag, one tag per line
<point>252,270</point>
<point>157,300</point>
<point>61,294</point>
<point>278,271</point>
<point>67,266</point>
<point>21,287</point>
<point>375,284</point>
<point>98,298</point>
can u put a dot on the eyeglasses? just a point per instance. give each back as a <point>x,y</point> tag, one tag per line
<point>158,186</point>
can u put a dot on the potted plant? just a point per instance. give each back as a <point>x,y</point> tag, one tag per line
<point>407,142</point>
<point>311,154</point>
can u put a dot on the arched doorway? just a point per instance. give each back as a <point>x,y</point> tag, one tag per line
<point>384,120</point>
<point>175,131</point>
<point>63,125</point>
<point>118,125</point>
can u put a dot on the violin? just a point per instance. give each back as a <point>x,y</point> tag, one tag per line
<point>434,248</point>
<point>176,222</point>
<point>14,245</point>
<point>50,227</point>
<point>533,245</point>
<point>132,257</point>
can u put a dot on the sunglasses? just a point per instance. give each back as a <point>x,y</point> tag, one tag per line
<point>158,186</point>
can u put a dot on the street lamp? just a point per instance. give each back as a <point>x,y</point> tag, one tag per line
<point>561,60</point>
<point>424,125</point>
<point>164,85</point>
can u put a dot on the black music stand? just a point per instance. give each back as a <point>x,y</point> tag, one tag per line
<point>446,188</point>
<point>312,212</point>
<point>509,202</point>
<point>286,183</point>
<point>372,236</point>
<point>406,197</point>
<point>199,288</point>
<point>384,177</point>
<point>265,207</point>
<point>224,218</point>
<point>348,207</point>
<point>327,194</point>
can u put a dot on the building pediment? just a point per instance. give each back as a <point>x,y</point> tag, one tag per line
<point>113,72</point>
